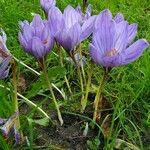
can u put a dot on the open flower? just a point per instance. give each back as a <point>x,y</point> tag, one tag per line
<point>111,44</point>
<point>47,4</point>
<point>66,27</point>
<point>35,37</point>
<point>4,56</point>
<point>87,14</point>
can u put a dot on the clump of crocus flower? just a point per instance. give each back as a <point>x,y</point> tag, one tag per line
<point>67,29</point>
<point>47,4</point>
<point>35,37</point>
<point>112,41</point>
<point>112,45</point>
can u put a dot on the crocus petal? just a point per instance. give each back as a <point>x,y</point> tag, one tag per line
<point>95,54</point>
<point>119,17</point>
<point>87,28</point>
<point>64,39</point>
<point>112,61</point>
<point>37,48</point>
<point>22,41</point>
<point>28,32</point>
<point>121,36</point>
<point>132,31</point>
<point>4,37</point>
<point>47,4</point>
<point>22,23</point>
<point>38,25</point>
<point>88,11</point>
<point>55,19</point>
<point>134,51</point>
<point>71,16</point>
<point>103,18</point>
<point>4,69</point>
<point>74,33</point>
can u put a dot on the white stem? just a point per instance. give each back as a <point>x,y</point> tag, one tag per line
<point>29,103</point>
<point>37,73</point>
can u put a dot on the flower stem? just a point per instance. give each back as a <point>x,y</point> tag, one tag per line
<point>61,64</point>
<point>98,97</point>
<point>52,93</point>
<point>79,74</point>
<point>15,98</point>
<point>84,101</point>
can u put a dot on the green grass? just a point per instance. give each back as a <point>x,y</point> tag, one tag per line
<point>128,87</point>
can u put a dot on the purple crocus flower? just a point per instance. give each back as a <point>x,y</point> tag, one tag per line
<point>35,37</point>
<point>47,4</point>
<point>87,14</point>
<point>66,27</point>
<point>111,44</point>
<point>4,56</point>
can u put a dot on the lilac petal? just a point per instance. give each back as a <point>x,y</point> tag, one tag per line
<point>132,31</point>
<point>47,4</point>
<point>37,48</point>
<point>55,19</point>
<point>38,25</point>
<point>74,34</point>
<point>48,45</point>
<point>71,16</point>
<point>88,11</point>
<point>87,28</point>
<point>28,32</point>
<point>4,69</point>
<point>17,136</point>
<point>95,54</point>
<point>121,36</point>
<point>104,37</point>
<point>2,121</point>
<point>134,51</point>
<point>112,61</point>
<point>64,39</point>
<point>22,23</point>
<point>3,39</point>
<point>81,60</point>
<point>103,18</point>
<point>22,41</point>
<point>78,9</point>
<point>119,17</point>
<point>4,36</point>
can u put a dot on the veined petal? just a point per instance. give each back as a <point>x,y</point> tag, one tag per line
<point>55,19</point>
<point>38,25</point>
<point>87,28</point>
<point>74,33</point>
<point>104,37</point>
<point>47,4</point>
<point>28,32</point>
<point>132,31</point>
<point>37,48</point>
<point>71,16</point>
<point>95,54</point>
<point>134,51</point>
<point>103,19</point>
<point>64,39</point>
<point>119,17</point>
<point>4,69</point>
<point>22,41</point>
<point>88,11</point>
<point>22,23</point>
<point>121,36</point>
